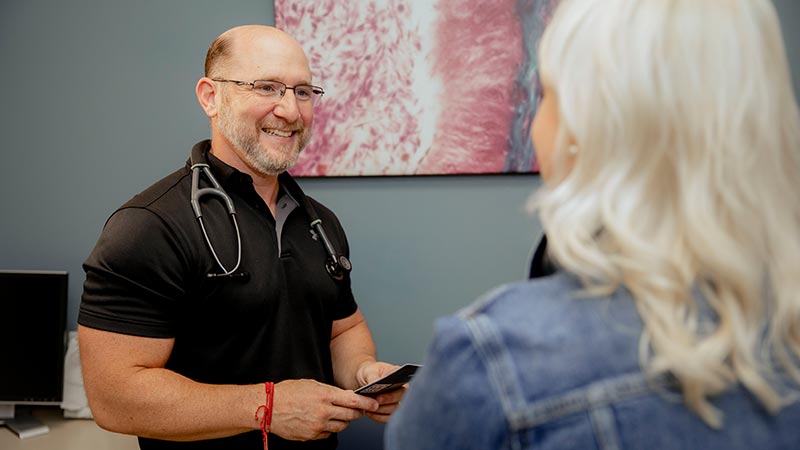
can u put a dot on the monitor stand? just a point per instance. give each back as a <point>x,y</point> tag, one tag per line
<point>24,425</point>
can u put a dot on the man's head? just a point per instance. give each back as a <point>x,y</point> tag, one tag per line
<point>254,129</point>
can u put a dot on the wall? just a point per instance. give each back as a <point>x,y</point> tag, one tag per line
<point>98,102</point>
<point>789,13</point>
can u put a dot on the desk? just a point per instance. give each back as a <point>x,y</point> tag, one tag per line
<point>67,434</point>
<point>84,434</point>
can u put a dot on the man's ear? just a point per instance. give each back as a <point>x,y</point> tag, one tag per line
<point>206,92</point>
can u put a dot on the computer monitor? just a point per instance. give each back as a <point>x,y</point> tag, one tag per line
<point>33,309</point>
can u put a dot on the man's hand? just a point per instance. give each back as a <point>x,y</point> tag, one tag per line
<point>303,410</point>
<point>388,401</point>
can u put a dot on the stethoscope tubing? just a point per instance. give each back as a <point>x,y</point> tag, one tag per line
<point>336,265</point>
<point>197,194</point>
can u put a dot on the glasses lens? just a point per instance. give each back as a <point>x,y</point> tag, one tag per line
<point>308,94</point>
<point>274,91</point>
<point>269,89</point>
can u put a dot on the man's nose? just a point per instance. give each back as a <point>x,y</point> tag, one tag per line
<point>287,106</point>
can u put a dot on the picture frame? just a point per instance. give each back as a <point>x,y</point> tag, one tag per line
<point>419,87</point>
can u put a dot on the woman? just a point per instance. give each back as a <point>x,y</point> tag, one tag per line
<point>669,144</point>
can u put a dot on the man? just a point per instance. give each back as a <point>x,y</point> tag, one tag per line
<point>185,322</point>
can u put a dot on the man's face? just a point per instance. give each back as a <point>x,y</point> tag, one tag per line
<point>266,135</point>
<point>269,144</point>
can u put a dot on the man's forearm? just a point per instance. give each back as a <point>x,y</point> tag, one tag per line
<point>351,348</point>
<point>161,404</point>
<point>131,392</point>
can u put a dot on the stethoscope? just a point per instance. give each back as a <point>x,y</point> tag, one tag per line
<point>335,264</point>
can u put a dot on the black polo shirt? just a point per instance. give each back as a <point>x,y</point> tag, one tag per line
<point>147,276</point>
<point>540,264</point>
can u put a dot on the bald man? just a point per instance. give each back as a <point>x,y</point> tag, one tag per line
<point>223,284</point>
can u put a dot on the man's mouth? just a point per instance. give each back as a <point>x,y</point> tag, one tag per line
<point>280,133</point>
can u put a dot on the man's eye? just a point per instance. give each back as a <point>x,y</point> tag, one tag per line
<point>267,88</point>
<point>303,92</point>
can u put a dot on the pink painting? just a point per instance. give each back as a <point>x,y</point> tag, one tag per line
<point>419,87</point>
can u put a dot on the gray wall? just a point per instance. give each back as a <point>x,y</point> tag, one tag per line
<point>789,12</point>
<point>96,102</point>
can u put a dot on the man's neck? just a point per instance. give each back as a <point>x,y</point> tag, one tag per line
<point>267,190</point>
<point>266,186</point>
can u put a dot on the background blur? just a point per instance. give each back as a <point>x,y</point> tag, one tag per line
<point>97,102</point>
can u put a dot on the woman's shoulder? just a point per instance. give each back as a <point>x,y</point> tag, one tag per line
<point>553,301</point>
<point>549,334</point>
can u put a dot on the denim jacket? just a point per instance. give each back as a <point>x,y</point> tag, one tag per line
<point>531,366</point>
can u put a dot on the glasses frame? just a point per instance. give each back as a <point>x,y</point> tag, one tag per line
<point>317,91</point>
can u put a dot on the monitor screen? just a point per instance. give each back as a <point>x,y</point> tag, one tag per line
<point>33,307</point>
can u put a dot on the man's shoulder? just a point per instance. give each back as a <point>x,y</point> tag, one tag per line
<point>169,188</point>
<point>320,208</point>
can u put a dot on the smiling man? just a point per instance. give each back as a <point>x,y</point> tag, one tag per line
<point>258,129</point>
<point>217,308</point>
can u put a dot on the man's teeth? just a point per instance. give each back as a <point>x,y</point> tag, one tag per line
<point>278,132</point>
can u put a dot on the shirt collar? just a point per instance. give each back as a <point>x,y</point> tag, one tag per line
<point>224,173</point>
<point>230,177</point>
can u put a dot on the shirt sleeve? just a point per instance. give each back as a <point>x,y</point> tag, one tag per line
<point>449,403</point>
<point>133,277</point>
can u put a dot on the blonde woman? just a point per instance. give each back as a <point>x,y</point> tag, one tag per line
<point>669,143</point>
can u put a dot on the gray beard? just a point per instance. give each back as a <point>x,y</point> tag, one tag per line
<point>262,160</point>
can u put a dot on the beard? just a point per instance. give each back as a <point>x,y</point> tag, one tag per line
<point>269,160</point>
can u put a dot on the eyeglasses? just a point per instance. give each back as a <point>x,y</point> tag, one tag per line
<point>275,90</point>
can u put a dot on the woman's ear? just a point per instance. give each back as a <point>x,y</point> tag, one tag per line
<point>206,92</point>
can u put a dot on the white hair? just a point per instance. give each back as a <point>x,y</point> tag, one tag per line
<point>686,181</point>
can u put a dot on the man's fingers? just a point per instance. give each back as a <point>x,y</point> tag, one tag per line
<point>382,418</point>
<point>391,396</point>
<point>307,409</point>
<point>346,414</point>
<point>349,399</point>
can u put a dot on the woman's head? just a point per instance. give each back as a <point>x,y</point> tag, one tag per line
<point>686,173</point>
<point>668,83</point>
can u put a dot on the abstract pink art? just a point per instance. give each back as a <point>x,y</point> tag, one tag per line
<point>419,87</point>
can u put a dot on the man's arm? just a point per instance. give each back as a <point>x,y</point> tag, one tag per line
<point>352,351</point>
<point>131,392</point>
<point>354,362</point>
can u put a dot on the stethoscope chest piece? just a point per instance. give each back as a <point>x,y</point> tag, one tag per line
<point>338,267</point>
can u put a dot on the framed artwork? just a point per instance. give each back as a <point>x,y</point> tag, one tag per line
<point>419,87</point>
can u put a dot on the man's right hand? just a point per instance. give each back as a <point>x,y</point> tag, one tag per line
<point>303,410</point>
